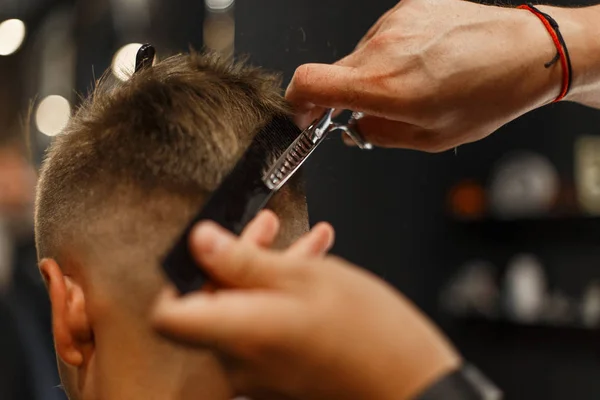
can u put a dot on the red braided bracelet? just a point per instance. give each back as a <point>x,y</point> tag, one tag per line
<point>561,47</point>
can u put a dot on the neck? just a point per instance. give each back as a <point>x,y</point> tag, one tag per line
<point>148,368</point>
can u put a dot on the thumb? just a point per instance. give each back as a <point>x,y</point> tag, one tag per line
<point>233,262</point>
<point>222,321</point>
<point>329,86</point>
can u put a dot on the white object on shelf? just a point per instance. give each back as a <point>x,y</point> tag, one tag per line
<point>590,306</point>
<point>472,290</point>
<point>587,173</point>
<point>524,184</point>
<point>525,289</point>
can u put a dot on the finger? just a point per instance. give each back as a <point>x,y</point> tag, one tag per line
<point>317,242</point>
<point>309,114</point>
<point>348,141</point>
<point>388,133</point>
<point>221,321</point>
<point>328,86</point>
<point>262,230</point>
<point>316,87</point>
<point>305,112</point>
<point>233,262</point>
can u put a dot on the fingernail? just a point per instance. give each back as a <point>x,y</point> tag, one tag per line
<point>210,238</point>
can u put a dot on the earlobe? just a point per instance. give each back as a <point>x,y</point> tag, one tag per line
<point>70,325</point>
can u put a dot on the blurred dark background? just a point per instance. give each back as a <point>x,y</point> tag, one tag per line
<point>497,241</point>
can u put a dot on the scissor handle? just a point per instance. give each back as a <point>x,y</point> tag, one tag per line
<point>350,130</point>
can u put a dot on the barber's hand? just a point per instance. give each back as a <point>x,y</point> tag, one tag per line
<point>300,326</point>
<point>434,74</point>
<point>263,229</point>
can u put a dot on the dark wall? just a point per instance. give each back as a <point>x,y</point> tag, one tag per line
<point>389,205</point>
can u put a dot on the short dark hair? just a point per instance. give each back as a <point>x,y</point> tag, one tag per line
<point>138,158</point>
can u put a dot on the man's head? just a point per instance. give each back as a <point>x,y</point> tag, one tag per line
<point>117,187</point>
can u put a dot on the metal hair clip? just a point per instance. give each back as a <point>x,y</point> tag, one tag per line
<point>307,142</point>
<point>144,57</point>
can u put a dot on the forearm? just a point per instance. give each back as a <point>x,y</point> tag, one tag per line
<point>581,30</point>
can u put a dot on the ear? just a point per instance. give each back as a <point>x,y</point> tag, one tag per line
<point>70,324</point>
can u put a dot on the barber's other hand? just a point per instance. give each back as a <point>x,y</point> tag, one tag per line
<point>434,74</point>
<point>297,326</point>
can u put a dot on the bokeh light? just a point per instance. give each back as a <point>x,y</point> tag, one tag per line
<point>12,35</point>
<point>52,115</point>
<point>123,64</point>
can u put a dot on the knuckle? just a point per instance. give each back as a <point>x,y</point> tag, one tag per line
<point>264,344</point>
<point>245,269</point>
<point>382,39</point>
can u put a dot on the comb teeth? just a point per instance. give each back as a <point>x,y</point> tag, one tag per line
<point>275,138</point>
<point>290,161</point>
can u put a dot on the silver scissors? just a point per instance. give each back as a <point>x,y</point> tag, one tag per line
<point>307,142</point>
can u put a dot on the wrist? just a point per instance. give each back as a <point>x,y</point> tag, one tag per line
<point>533,47</point>
<point>465,383</point>
<point>580,29</point>
<point>424,378</point>
<point>409,378</point>
<point>412,370</point>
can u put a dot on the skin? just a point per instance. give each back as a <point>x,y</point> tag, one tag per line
<point>17,180</point>
<point>435,74</point>
<point>106,353</point>
<point>287,320</point>
<point>430,75</point>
